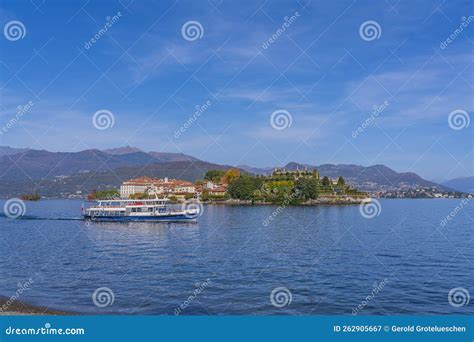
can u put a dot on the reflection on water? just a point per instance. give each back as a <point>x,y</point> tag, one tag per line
<point>325,260</point>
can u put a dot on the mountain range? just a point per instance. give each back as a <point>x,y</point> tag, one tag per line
<point>7,150</point>
<point>364,177</point>
<point>39,164</point>
<point>463,184</point>
<point>63,173</point>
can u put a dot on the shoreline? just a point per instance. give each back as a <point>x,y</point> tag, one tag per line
<point>322,200</point>
<point>19,308</point>
<point>242,202</point>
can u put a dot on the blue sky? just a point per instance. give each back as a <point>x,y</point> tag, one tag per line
<point>318,68</point>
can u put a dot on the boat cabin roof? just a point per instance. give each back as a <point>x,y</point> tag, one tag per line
<point>130,201</point>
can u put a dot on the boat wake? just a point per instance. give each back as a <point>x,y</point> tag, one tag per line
<point>31,217</point>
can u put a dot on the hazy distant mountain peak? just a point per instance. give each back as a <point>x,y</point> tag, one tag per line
<point>158,156</point>
<point>122,150</point>
<point>464,184</point>
<point>293,166</point>
<point>172,157</point>
<point>256,170</point>
<point>7,150</point>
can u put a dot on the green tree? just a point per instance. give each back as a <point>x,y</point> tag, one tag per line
<point>231,175</point>
<point>214,175</point>
<point>307,188</point>
<point>243,188</point>
<point>205,195</point>
<point>139,195</point>
<point>104,194</point>
<point>325,182</point>
<point>278,191</point>
<point>341,182</point>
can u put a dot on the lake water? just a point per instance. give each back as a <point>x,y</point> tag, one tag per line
<point>317,260</point>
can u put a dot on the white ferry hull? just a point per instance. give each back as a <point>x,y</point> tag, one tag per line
<point>139,218</point>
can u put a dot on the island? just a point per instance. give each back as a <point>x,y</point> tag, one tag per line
<point>31,197</point>
<point>289,187</point>
<point>232,186</point>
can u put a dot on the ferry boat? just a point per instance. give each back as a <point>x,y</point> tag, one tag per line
<point>149,210</point>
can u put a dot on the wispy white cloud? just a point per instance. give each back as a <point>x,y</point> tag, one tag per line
<point>422,92</point>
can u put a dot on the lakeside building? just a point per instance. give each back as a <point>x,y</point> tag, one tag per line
<point>158,186</point>
<point>215,189</point>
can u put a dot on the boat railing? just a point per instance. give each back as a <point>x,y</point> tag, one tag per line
<point>102,205</point>
<point>108,213</point>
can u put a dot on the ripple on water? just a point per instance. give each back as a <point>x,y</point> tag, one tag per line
<point>329,258</point>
